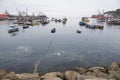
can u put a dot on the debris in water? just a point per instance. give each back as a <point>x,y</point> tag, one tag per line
<point>58,54</point>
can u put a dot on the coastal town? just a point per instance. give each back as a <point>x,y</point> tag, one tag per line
<point>110,17</point>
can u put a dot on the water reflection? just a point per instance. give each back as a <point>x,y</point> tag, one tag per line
<point>24,49</point>
<point>14,34</point>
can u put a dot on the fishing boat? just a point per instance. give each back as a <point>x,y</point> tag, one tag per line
<point>101,19</point>
<point>13,30</point>
<point>25,26</point>
<point>64,19</point>
<point>53,30</point>
<point>15,22</point>
<point>12,26</point>
<point>85,19</point>
<point>20,22</point>
<point>99,26</point>
<point>43,19</point>
<point>45,22</point>
<point>35,22</point>
<point>59,20</point>
<point>113,21</point>
<point>28,23</point>
<point>78,31</point>
<point>81,23</point>
<point>90,26</point>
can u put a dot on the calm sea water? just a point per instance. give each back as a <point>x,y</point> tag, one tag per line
<point>20,51</point>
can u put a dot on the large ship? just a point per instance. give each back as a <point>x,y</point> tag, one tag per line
<point>4,17</point>
<point>101,17</point>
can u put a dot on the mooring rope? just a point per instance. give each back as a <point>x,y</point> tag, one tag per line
<point>42,58</point>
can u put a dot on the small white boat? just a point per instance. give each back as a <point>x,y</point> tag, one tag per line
<point>113,21</point>
<point>78,31</point>
<point>13,30</point>
<point>90,26</point>
<point>100,19</point>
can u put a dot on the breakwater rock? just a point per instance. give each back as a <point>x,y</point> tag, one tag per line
<point>92,73</point>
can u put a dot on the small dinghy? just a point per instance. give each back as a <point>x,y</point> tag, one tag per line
<point>99,26</point>
<point>90,26</point>
<point>13,30</point>
<point>81,23</point>
<point>25,26</point>
<point>53,30</point>
<point>78,31</point>
<point>85,19</point>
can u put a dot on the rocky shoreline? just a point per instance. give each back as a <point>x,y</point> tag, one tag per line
<point>92,73</point>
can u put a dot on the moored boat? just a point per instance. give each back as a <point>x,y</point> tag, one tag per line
<point>94,26</point>
<point>44,22</point>
<point>13,30</point>
<point>101,19</point>
<point>25,26</point>
<point>85,19</point>
<point>81,23</point>
<point>113,21</point>
<point>53,30</point>
<point>99,26</point>
<point>78,31</point>
<point>43,19</point>
<point>90,26</point>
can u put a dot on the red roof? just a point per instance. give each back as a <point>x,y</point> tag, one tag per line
<point>4,16</point>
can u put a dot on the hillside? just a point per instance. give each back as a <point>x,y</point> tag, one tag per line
<point>115,14</point>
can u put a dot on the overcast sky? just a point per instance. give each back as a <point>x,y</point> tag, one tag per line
<point>60,7</point>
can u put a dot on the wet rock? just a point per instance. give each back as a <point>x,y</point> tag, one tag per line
<point>101,74</point>
<point>2,72</point>
<point>51,78</point>
<point>81,70</point>
<point>114,66</point>
<point>115,74</point>
<point>53,74</point>
<point>72,75</point>
<point>98,72</point>
<point>89,74</point>
<point>96,79</point>
<point>29,76</point>
<point>5,79</point>
<point>61,75</point>
<point>11,76</point>
<point>101,69</point>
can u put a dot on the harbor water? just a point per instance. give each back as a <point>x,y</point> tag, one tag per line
<point>63,50</point>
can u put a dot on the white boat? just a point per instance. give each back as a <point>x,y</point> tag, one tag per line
<point>13,30</point>
<point>100,19</point>
<point>78,31</point>
<point>43,19</point>
<point>113,21</point>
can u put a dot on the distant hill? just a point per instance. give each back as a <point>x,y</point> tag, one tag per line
<point>115,14</point>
